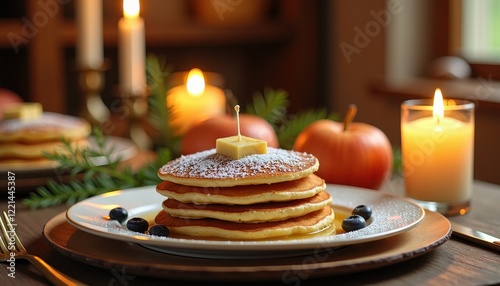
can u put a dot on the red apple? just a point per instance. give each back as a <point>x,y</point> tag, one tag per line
<point>203,135</point>
<point>349,153</point>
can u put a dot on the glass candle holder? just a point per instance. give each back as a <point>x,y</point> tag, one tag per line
<point>438,154</point>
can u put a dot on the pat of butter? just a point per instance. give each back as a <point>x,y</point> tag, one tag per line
<point>236,149</point>
<point>24,111</point>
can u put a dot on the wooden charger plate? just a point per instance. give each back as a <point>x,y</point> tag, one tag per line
<point>107,253</point>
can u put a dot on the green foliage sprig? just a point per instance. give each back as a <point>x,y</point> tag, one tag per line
<point>272,105</point>
<point>157,74</point>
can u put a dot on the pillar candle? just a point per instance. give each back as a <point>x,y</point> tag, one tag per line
<point>193,102</point>
<point>89,33</point>
<point>132,49</point>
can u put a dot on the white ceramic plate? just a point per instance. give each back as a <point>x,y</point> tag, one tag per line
<point>391,215</point>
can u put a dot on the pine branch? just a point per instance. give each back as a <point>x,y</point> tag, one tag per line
<point>56,193</point>
<point>158,116</point>
<point>271,105</point>
<point>158,89</point>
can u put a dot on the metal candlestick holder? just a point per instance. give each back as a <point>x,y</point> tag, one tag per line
<point>137,106</point>
<point>92,83</point>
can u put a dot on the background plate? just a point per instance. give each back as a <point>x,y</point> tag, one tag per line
<point>30,175</point>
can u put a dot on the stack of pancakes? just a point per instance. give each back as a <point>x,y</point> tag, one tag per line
<point>24,141</point>
<point>260,196</point>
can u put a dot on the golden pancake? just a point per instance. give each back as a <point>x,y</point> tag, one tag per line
<point>209,169</point>
<point>213,228</point>
<point>255,213</point>
<point>20,151</point>
<point>244,195</point>
<point>49,127</point>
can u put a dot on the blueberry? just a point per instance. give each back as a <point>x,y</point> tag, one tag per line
<point>353,222</point>
<point>119,214</point>
<point>138,224</point>
<point>159,230</point>
<point>362,210</point>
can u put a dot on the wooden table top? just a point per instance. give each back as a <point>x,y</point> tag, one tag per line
<point>456,262</point>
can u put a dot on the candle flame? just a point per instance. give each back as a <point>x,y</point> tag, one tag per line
<point>131,8</point>
<point>438,110</point>
<point>195,83</point>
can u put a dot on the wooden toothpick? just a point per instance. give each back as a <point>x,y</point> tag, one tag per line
<point>237,109</point>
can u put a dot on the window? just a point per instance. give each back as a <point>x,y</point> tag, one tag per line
<point>480,41</point>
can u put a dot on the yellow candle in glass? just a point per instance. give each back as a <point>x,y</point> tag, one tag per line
<point>437,153</point>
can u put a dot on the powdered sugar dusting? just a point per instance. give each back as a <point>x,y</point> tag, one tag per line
<point>48,120</point>
<point>389,215</point>
<point>115,227</point>
<point>210,165</point>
